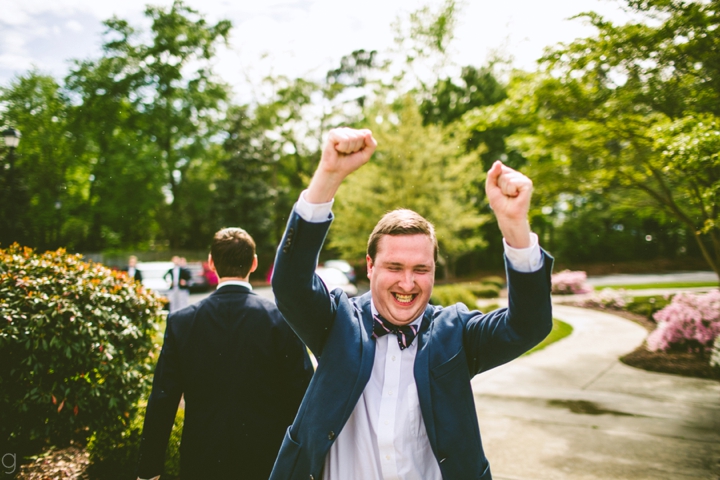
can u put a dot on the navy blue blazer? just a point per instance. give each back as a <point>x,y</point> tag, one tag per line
<point>454,344</point>
<point>243,373</point>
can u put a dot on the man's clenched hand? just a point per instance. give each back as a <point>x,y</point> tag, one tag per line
<point>345,151</point>
<point>509,192</point>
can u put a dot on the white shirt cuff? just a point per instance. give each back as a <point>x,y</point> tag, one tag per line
<point>313,212</point>
<point>525,260</point>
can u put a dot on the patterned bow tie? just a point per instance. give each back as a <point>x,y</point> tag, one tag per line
<point>405,334</point>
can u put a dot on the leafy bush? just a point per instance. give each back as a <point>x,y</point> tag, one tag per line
<point>648,305</point>
<point>607,298</point>
<point>691,321</point>
<point>570,282</point>
<point>451,294</point>
<point>482,290</point>
<point>114,454</point>
<point>499,282</point>
<point>75,347</point>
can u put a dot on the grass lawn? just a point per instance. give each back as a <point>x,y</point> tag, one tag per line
<point>559,331</point>
<point>644,286</point>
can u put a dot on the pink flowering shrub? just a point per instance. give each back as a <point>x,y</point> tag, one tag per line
<point>690,321</point>
<point>570,282</point>
<point>607,298</point>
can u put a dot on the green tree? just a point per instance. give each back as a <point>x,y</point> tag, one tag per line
<point>247,192</point>
<point>150,110</point>
<point>602,120</point>
<point>418,167</point>
<point>48,178</point>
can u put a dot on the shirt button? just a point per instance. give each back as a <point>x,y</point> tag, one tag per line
<point>387,457</point>
<point>393,358</point>
<point>390,393</point>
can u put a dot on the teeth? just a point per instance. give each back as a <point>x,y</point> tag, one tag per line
<point>404,298</point>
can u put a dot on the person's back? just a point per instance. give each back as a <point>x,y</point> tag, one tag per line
<point>242,372</point>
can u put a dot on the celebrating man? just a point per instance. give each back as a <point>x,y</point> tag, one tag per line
<point>391,396</point>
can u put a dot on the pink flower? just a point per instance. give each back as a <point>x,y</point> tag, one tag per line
<point>691,320</point>
<point>569,282</point>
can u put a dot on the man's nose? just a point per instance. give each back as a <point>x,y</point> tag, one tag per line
<point>407,281</point>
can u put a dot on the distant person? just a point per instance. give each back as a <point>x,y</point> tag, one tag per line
<point>242,372</point>
<point>391,398</point>
<point>132,269</point>
<point>179,279</point>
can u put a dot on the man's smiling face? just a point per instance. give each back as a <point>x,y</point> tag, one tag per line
<point>402,276</point>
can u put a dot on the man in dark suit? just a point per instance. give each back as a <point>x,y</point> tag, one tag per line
<point>391,397</point>
<point>179,279</point>
<point>242,372</point>
<point>132,269</point>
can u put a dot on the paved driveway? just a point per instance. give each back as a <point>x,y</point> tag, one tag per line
<point>573,411</point>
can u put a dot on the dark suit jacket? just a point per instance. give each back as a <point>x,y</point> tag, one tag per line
<point>454,344</point>
<point>242,372</point>
<point>138,274</point>
<point>184,275</point>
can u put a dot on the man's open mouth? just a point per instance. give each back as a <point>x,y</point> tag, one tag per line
<point>404,298</point>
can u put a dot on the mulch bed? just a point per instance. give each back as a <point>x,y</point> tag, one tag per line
<point>687,364</point>
<point>57,464</point>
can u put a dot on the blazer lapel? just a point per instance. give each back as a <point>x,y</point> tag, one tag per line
<point>421,370</point>
<point>368,342</point>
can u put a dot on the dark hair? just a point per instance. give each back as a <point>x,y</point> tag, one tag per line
<point>401,222</point>
<point>233,252</point>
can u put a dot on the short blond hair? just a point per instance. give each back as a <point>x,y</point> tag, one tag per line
<point>401,222</point>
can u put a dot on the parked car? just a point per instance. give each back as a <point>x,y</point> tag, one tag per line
<point>344,267</point>
<point>153,273</point>
<point>334,278</point>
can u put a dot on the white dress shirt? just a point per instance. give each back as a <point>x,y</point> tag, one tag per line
<point>385,436</point>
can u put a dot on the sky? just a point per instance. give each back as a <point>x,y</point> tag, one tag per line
<point>297,38</point>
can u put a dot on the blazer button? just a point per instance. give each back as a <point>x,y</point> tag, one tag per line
<point>285,250</point>
<point>312,478</point>
<point>331,435</point>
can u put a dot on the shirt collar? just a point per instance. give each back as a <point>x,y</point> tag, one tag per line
<point>239,283</point>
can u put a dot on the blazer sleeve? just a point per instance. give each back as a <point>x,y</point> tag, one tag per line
<point>161,408</point>
<point>496,338</point>
<point>299,293</point>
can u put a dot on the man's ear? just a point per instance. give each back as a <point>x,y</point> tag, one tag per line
<point>254,264</point>
<point>369,265</point>
<point>211,264</point>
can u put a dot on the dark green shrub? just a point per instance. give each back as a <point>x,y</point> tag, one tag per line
<point>494,280</point>
<point>75,347</point>
<point>482,290</point>
<point>114,454</point>
<point>451,294</point>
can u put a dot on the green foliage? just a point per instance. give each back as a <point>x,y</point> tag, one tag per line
<point>482,290</point>
<point>447,295</point>
<point>114,454</point>
<point>499,282</point>
<point>46,181</point>
<point>244,196</point>
<point>624,119</point>
<point>648,305</point>
<point>75,347</point>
